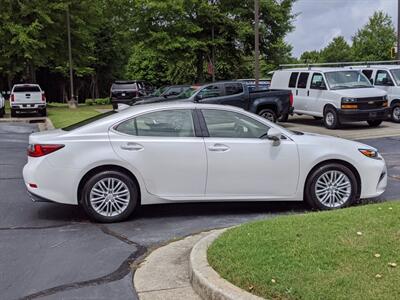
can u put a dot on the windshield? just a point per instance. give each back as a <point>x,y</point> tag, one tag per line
<point>121,86</point>
<point>340,80</point>
<point>88,121</point>
<point>187,94</point>
<point>396,75</point>
<point>159,91</point>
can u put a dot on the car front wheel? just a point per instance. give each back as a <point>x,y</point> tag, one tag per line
<point>268,114</point>
<point>396,113</point>
<point>331,186</point>
<point>109,196</point>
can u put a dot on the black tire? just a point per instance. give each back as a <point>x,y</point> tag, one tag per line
<point>43,112</point>
<point>284,118</point>
<point>92,181</point>
<point>268,114</point>
<point>2,112</point>
<point>13,113</point>
<point>310,188</point>
<point>115,106</point>
<point>318,118</point>
<point>395,113</point>
<point>331,118</point>
<point>374,123</point>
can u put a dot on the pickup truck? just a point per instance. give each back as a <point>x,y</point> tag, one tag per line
<point>270,104</point>
<point>27,98</point>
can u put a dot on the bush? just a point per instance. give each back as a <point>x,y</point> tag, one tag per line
<point>99,101</point>
<point>89,102</point>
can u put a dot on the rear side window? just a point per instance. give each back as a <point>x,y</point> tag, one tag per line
<point>25,89</point>
<point>302,84</point>
<point>166,123</point>
<point>210,91</point>
<point>233,88</point>
<point>293,79</point>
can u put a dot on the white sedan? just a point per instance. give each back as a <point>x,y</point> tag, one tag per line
<point>187,152</point>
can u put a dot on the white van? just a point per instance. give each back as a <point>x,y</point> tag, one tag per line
<point>27,98</point>
<point>334,94</point>
<point>387,78</point>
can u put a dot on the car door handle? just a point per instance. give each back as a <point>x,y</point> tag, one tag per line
<point>218,148</point>
<point>132,147</point>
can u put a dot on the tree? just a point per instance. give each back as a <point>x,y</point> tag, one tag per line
<point>375,39</point>
<point>310,57</point>
<point>338,50</point>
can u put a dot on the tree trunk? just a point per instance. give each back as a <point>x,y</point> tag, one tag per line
<point>200,67</point>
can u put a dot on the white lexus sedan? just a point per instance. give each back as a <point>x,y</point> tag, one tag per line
<point>187,152</point>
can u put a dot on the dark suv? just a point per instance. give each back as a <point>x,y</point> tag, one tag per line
<point>127,91</point>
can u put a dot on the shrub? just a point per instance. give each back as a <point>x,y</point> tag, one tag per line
<point>89,102</point>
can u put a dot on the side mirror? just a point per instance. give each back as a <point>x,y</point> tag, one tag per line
<point>275,136</point>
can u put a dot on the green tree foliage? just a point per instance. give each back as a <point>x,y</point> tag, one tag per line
<point>375,39</point>
<point>338,50</point>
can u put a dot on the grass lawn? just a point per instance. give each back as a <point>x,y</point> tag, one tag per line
<point>343,254</point>
<point>62,116</point>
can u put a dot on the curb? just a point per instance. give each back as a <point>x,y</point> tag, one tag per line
<point>47,125</point>
<point>206,281</point>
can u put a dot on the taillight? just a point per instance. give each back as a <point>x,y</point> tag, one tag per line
<point>12,97</point>
<point>291,99</point>
<point>43,97</point>
<point>37,150</point>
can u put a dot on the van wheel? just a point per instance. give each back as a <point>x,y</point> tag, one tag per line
<point>268,114</point>
<point>396,113</point>
<point>374,123</point>
<point>13,113</point>
<point>331,186</point>
<point>331,118</point>
<point>109,196</point>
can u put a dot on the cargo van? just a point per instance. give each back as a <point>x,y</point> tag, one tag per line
<point>27,98</point>
<point>387,78</point>
<point>335,95</point>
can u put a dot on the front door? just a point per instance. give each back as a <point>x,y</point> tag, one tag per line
<point>241,164</point>
<point>317,91</point>
<point>163,148</point>
<point>302,93</point>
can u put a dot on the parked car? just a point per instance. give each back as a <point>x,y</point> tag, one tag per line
<point>127,91</point>
<point>27,98</point>
<point>2,105</point>
<point>168,92</point>
<point>387,78</point>
<point>189,152</point>
<point>334,95</point>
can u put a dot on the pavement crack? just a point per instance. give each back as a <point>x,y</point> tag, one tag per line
<point>117,235</point>
<point>41,227</point>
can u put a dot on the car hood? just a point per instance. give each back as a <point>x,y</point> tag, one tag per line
<point>360,93</point>
<point>328,141</point>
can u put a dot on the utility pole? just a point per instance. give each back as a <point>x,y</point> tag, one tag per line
<point>213,53</point>
<point>257,42</point>
<point>398,29</point>
<point>72,102</point>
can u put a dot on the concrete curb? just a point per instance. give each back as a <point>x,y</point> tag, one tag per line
<point>47,125</point>
<point>205,281</point>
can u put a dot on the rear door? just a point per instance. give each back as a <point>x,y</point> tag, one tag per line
<point>302,93</point>
<point>27,94</point>
<point>162,146</point>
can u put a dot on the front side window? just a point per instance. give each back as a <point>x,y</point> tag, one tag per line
<point>302,84</point>
<point>396,75</point>
<point>166,123</point>
<point>317,82</point>
<point>226,124</point>
<point>340,80</point>
<point>210,91</point>
<point>233,88</point>
<point>383,78</point>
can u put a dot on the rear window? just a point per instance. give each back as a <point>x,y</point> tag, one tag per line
<point>293,79</point>
<point>233,88</point>
<point>88,121</point>
<point>129,86</point>
<point>27,88</point>
<point>302,84</point>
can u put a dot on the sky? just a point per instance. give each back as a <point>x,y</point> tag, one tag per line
<point>319,21</point>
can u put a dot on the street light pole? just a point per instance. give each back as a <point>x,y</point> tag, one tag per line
<point>257,42</point>
<point>71,78</point>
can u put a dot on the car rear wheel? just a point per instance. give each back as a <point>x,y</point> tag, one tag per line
<point>374,123</point>
<point>2,111</point>
<point>13,113</point>
<point>268,114</point>
<point>110,196</point>
<point>284,118</point>
<point>331,186</point>
<point>396,113</point>
<point>331,118</point>
<point>43,112</point>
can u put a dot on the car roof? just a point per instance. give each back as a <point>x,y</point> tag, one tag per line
<point>387,67</point>
<point>26,84</point>
<point>314,69</point>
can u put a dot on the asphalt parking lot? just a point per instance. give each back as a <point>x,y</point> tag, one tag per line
<point>53,251</point>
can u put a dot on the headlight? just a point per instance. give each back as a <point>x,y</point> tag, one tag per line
<point>348,100</point>
<point>385,97</point>
<point>370,153</point>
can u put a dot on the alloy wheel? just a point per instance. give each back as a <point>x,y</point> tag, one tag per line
<point>109,197</point>
<point>330,118</point>
<point>396,113</point>
<point>333,188</point>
